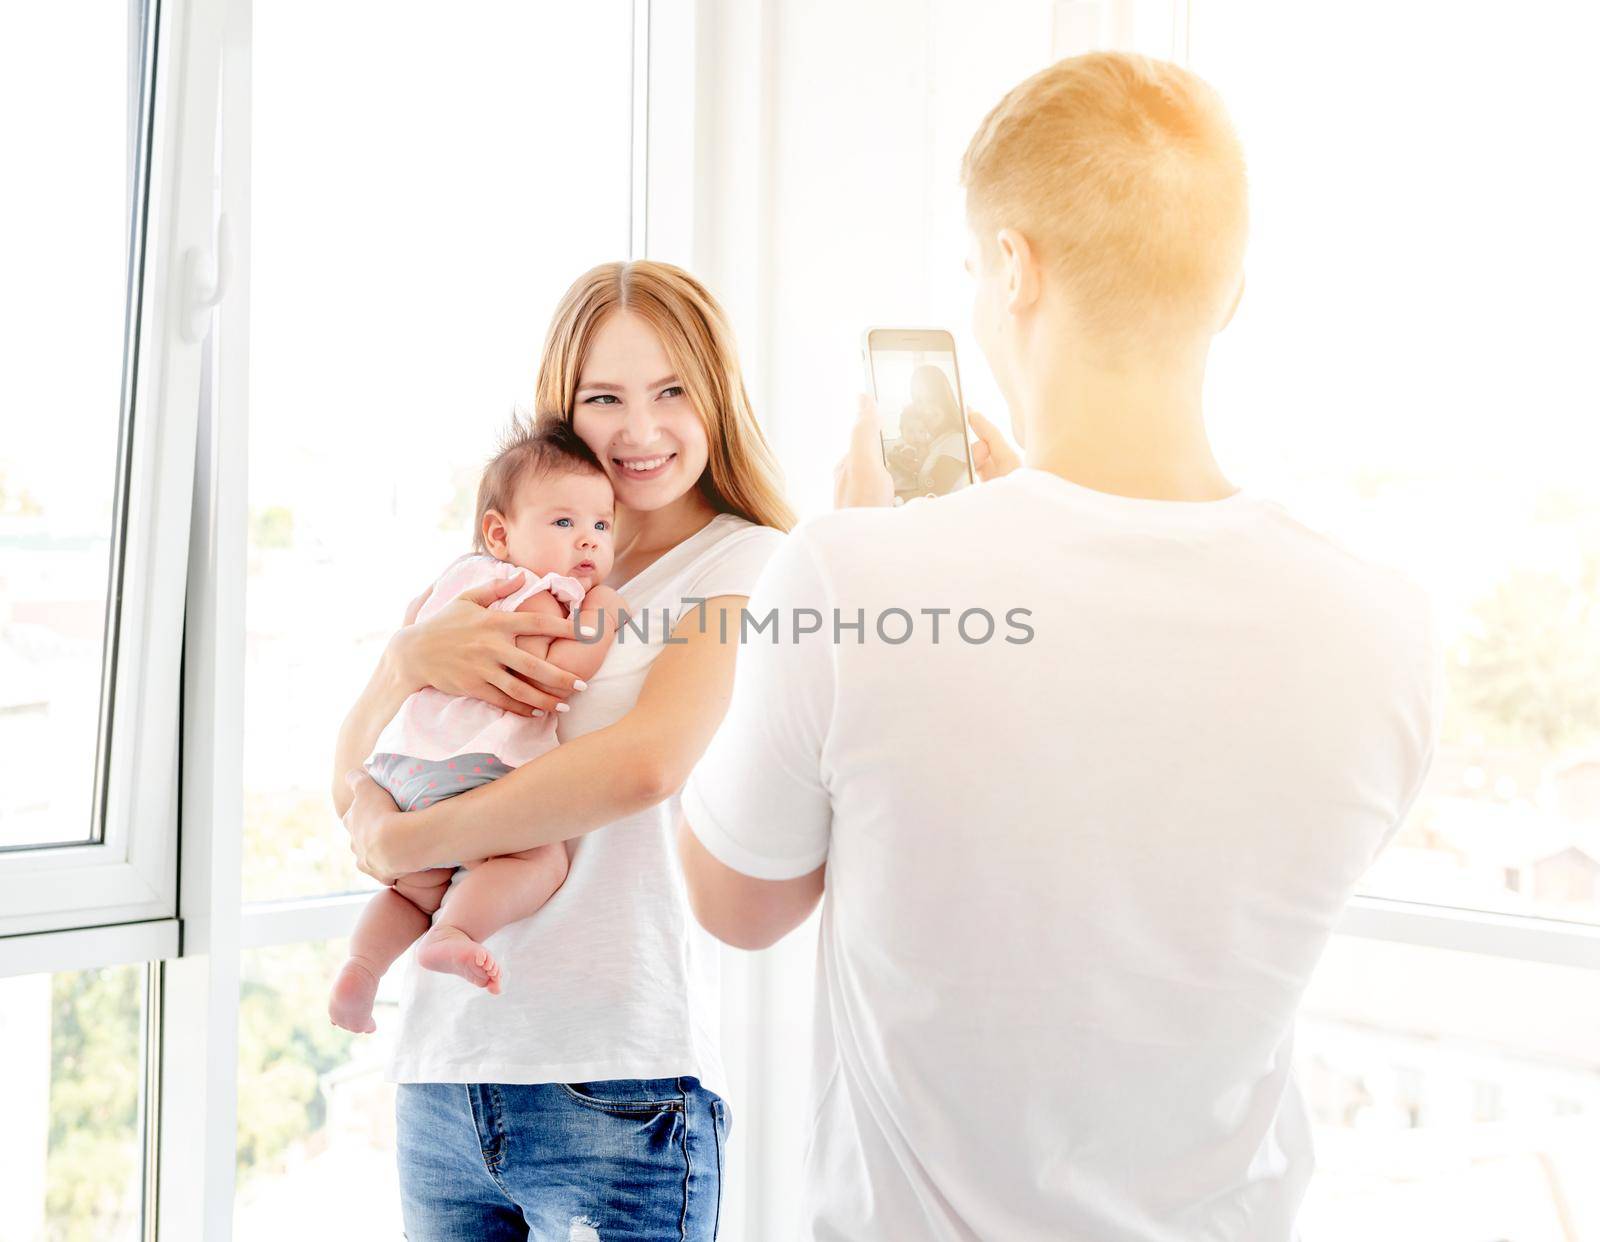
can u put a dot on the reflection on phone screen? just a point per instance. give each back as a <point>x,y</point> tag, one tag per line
<point>924,434</point>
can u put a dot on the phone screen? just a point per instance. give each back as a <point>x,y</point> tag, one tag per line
<point>918,392</point>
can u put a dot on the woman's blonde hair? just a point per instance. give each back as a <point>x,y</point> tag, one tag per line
<point>741,474</point>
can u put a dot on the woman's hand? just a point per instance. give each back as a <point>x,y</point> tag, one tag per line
<point>374,823</point>
<point>992,454</point>
<point>468,649</point>
<point>861,479</point>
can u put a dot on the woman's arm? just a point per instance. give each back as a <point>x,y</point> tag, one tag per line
<point>465,648</point>
<point>386,690</point>
<point>581,785</point>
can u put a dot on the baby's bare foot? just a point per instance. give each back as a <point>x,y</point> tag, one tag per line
<point>350,1002</point>
<point>451,950</point>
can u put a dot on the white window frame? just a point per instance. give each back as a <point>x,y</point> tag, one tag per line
<point>130,873</point>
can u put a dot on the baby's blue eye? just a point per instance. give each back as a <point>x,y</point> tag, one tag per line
<point>602,525</point>
<point>559,521</point>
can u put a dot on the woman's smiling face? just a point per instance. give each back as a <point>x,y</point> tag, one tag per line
<point>633,411</point>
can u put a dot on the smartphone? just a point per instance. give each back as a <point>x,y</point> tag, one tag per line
<point>913,377</point>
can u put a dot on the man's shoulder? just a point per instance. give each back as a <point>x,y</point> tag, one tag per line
<point>918,522</point>
<point>1320,553</point>
<point>844,541</point>
<point>1353,601</point>
<point>828,529</point>
<point>873,549</point>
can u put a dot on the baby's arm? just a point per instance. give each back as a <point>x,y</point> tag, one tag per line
<point>600,612</point>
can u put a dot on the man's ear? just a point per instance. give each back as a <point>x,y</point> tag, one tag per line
<point>1020,270</point>
<point>1238,296</point>
<point>494,533</point>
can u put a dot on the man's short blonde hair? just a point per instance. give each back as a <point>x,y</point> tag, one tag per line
<point>1126,177</point>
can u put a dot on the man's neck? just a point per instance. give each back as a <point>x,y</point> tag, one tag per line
<point>1133,428</point>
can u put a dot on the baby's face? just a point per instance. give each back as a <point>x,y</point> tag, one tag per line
<point>563,524</point>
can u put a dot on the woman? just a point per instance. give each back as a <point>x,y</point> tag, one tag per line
<point>943,440</point>
<point>583,1103</point>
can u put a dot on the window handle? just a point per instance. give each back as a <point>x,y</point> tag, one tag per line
<point>202,295</point>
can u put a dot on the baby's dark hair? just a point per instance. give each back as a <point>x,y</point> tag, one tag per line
<point>529,448</point>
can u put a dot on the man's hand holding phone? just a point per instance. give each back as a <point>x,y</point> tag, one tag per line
<point>992,454</point>
<point>861,480</point>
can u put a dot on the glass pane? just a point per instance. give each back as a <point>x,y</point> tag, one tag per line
<point>316,1118</point>
<point>419,205</point>
<point>1454,1096</point>
<point>1409,371</point>
<point>70,69</point>
<point>71,1142</point>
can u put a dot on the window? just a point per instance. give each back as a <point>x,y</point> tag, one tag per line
<point>466,176</point>
<point>72,1098</point>
<point>396,319</point>
<point>188,500</point>
<point>95,479</point>
<point>316,1117</point>
<point>1453,1095</point>
<point>1408,371</point>
<point>149,553</point>
<point>66,249</point>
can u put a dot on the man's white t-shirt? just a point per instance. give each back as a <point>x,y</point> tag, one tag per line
<point>1078,874</point>
<point>612,978</point>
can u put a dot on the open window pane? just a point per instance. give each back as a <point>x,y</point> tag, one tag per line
<point>69,88</point>
<point>1454,1096</point>
<point>70,1147</point>
<point>423,191</point>
<point>1410,370</point>
<point>316,1118</point>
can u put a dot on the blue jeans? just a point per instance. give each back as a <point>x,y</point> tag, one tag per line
<point>629,1160</point>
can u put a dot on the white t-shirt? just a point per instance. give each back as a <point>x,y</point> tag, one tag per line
<point>613,978</point>
<point>1076,885</point>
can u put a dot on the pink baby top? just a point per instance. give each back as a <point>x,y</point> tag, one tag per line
<point>433,725</point>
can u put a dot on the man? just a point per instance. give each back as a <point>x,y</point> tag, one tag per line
<point>1080,864</point>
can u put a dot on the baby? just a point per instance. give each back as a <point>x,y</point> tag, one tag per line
<point>545,512</point>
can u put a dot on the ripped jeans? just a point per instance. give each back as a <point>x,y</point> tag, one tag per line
<point>629,1160</point>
